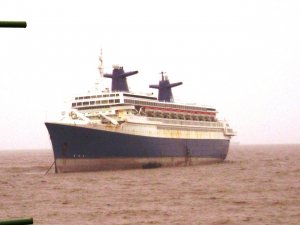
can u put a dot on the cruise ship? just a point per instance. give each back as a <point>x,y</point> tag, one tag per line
<point>115,129</point>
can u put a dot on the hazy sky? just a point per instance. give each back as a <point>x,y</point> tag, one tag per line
<point>242,57</point>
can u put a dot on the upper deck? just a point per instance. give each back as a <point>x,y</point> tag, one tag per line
<point>144,103</point>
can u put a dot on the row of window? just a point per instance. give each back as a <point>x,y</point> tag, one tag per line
<point>139,96</point>
<point>190,128</point>
<point>94,107</point>
<point>96,96</point>
<point>188,122</point>
<point>182,117</point>
<point>144,103</point>
<point>109,101</point>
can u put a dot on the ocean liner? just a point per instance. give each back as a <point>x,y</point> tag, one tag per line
<point>118,129</point>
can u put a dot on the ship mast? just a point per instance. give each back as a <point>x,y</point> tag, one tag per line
<point>101,69</point>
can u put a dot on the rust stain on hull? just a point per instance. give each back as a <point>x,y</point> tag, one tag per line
<point>102,164</point>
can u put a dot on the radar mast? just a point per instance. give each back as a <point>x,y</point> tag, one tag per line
<point>101,67</point>
<point>100,81</point>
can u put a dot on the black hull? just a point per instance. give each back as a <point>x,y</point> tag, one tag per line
<point>85,149</point>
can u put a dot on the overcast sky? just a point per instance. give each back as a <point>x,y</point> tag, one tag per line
<point>242,57</point>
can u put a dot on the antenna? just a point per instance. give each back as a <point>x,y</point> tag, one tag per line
<point>101,67</point>
<point>162,75</point>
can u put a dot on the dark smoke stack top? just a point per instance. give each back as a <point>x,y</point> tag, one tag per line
<point>165,89</point>
<point>119,81</point>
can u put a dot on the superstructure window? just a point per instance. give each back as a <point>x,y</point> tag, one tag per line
<point>97,102</point>
<point>104,102</point>
<point>117,101</point>
<point>92,102</point>
<point>111,101</point>
<point>73,104</point>
<point>79,103</point>
<point>85,103</point>
<point>87,97</point>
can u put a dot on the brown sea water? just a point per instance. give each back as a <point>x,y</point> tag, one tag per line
<point>258,184</point>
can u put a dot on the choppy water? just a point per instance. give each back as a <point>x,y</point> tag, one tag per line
<point>255,185</point>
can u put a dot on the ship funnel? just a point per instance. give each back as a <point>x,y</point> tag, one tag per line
<point>118,76</point>
<point>165,89</point>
